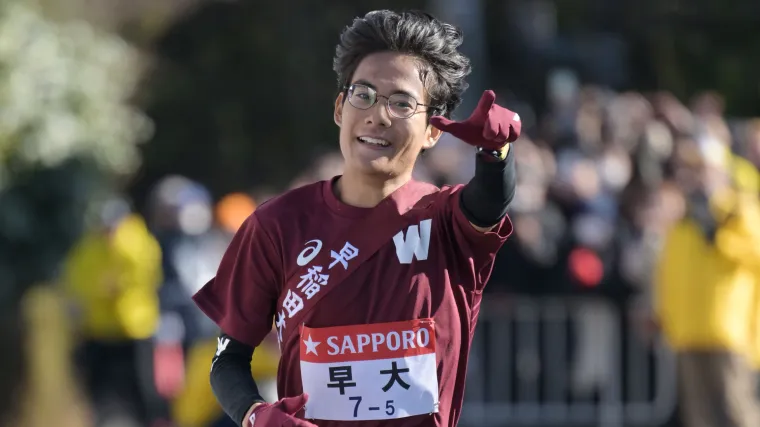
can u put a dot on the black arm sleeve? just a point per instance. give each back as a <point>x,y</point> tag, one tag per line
<point>231,378</point>
<point>485,198</point>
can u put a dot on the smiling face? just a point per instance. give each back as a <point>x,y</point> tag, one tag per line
<point>374,141</point>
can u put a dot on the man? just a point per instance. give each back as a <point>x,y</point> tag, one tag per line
<point>112,276</point>
<point>373,280</point>
<point>707,284</point>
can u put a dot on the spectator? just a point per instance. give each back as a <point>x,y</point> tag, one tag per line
<point>112,276</point>
<point>706,286</point>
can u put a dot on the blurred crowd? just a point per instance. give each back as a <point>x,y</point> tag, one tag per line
<point>144,349</point>
<point>602,178</point>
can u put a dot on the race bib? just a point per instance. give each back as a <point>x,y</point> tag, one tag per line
<point>380,371</point>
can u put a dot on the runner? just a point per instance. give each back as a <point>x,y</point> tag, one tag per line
<point>373,280</point>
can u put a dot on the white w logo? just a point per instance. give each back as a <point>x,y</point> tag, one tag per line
<point>417,242</point>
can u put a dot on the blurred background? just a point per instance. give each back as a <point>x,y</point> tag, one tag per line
<point>137,135</point>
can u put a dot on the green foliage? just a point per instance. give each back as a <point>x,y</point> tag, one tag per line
<point>66,129</point>
<point>63,93</point>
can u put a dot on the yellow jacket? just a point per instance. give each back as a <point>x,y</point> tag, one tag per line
<point>706,295</point>
<point>114,282</point>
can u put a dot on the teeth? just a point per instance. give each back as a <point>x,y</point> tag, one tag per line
<point>374,141</point>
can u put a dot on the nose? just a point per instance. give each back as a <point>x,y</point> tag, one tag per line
<point>378,113</point>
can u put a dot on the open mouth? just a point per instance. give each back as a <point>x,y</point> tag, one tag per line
<point>374,142</point>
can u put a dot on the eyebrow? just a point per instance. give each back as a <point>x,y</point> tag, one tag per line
<point>398,91</point>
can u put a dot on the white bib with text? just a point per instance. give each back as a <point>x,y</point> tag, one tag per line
<point>379,371</point>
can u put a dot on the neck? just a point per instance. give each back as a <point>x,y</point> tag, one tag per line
<point>363,191</point>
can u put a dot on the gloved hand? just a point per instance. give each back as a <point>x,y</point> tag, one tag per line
<point>490,126</point>
<point>280,414</point>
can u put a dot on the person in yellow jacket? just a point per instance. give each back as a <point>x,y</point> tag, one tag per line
<point>111,276</point>
<point>706,300</point>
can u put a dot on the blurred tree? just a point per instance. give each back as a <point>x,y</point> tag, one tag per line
<point>701,45</point>
<point>140,21</point>
<point>63,96</point>
<point>684,46</point>
<point>66,131</point>
<point>242,92</point>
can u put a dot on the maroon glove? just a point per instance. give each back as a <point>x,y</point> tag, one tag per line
<point>490,126</point>
<point>280,414</point>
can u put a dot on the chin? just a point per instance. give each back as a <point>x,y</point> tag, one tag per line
<point>384,164</point>
<point>377,167</point>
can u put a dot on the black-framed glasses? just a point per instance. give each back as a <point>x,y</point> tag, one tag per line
<point>398,105</point>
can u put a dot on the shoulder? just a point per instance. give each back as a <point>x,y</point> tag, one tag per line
<point>423,187</point>
<point>446,196</point>
<point>451,190</point>
<point>289,205</point>
<point>424,198</point>
<point>281,219</point>
<point>418,191</point>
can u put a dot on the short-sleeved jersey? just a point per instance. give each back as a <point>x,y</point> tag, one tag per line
<point>433,270</point>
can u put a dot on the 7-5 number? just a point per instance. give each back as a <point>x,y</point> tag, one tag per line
<point>389,408</point>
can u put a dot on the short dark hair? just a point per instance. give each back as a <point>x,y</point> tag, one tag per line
<point>434,43</point>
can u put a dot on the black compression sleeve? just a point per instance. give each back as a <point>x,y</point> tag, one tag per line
<point>485,198</point>
<point>231,378</point>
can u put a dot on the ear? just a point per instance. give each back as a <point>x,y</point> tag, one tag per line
<point>338,114</point>
<point>432,134</point>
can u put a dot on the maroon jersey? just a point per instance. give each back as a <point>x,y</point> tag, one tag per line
<point>389,344</point>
